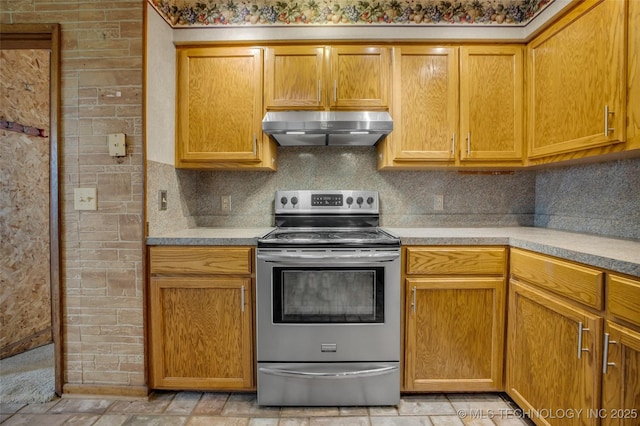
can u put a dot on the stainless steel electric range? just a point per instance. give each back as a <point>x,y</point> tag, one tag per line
<point>328,302</point>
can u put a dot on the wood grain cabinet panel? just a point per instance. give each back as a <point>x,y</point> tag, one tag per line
<point>219,109</point>
<point>551,364</point>
<point>577,80</point>
<point>456,260</point>
<point>621,353</point>
<point>454,318</point>
<point>201,333</point>
<point>576,282</point>
<point>294,77</point>
<point>491,102</point>
<point>555,336</point>
<point>200,316</point>
<point>327,77</point>
<point>359,77</point>
<point>623,299</point>
<point>456,106</point>
<point>455,334</point>
<point>425,103</point>
<point>200,260</point>
<point>621,377</point>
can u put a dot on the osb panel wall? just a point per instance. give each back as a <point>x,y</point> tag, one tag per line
<point>101,251</point>
<point>25,301</point>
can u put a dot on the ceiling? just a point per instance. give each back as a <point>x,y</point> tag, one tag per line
<point>414,13</point>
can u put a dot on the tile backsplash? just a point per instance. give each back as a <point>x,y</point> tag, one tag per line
<point>602,198</point>
<point>406,197</point>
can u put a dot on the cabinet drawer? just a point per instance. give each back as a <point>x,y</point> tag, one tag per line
<point>456,261</point>
<point>576,282</point>
<point>200,260</point>
<point>623,298</point>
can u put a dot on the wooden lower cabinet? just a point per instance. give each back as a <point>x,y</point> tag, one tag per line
<point>621,377</point>
<point>454,318</point>
<point>200,318</point>
<point>553,360</point>
<point>455,334</point>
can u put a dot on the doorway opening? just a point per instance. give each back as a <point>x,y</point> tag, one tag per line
<point>29,187</point>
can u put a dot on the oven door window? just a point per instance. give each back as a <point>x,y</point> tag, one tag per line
<point>324,295</point>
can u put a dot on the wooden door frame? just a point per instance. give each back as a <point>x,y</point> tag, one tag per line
<point>47,36</point>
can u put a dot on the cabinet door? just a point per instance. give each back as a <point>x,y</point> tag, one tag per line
<point>551,366</point>
<point>491,102</point>
<point>621,377</point>
<point>359,77</point>
<point>294,77</point>
<point>455,334</point>
<point>219,113</point>
<point>201,333</point>
<point>577,80</point>
<point>425,103</point>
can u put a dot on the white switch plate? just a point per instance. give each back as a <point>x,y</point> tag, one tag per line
<point>85,199</point>
<point>438,202</point>
<point>117,145</point>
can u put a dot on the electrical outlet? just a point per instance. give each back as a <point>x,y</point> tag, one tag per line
<point>85,199</point>
<point>438,202</point>
<point>162,199</point>
<point>225,204</point>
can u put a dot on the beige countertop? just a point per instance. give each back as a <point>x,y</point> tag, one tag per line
<point>613,254</point>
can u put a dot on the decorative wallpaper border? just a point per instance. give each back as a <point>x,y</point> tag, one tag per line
<point>187,13</point>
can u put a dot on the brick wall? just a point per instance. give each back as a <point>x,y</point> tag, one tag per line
<point>102,280</point>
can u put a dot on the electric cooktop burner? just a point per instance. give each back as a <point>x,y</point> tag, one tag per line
<point>293,235</point>
<point>336,218</point>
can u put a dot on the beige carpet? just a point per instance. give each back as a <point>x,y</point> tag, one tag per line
<point>28,377</point>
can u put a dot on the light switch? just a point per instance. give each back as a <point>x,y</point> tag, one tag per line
<point>85,199</point>
<point>117,145</point>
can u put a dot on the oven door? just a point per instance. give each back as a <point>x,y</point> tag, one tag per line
<point>328,305</point>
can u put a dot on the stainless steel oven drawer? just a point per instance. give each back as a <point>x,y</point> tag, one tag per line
<point>329,384</point>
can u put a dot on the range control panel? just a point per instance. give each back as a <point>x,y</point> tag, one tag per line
<point>327,201</point>
<point>335,200</point>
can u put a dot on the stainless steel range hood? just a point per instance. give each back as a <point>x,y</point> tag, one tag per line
<point>334,128</point>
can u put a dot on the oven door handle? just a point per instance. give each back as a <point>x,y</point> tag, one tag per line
<point>329,374</point>
<point>317,257</point>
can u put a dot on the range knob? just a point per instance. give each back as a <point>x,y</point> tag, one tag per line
<point>370,201</point>
<point>359,200</point>
<point>349,200</point>
<point>294,200</point>
<point>284,201</point>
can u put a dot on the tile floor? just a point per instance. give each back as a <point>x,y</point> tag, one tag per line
<point>196,408</point>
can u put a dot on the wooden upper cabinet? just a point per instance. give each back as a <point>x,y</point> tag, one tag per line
<point>425,103</point>
<point>321,78</point>
<point>577,77</point>
<point>294,77</point>
<point>359,77</point>
<point>219,108</point>
<point>491,102</point>
<point>456,106</point>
